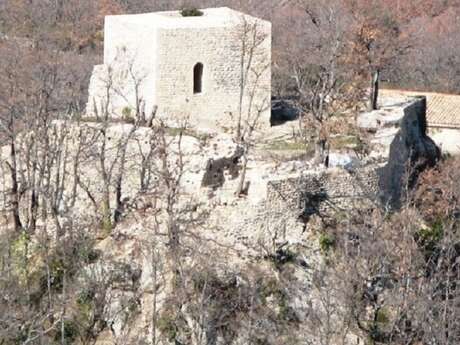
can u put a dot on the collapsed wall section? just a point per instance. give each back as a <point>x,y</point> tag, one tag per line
<point>409,152</point>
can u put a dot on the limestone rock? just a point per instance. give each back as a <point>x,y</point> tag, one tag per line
<point>343,160</point>
<point>411,151</point>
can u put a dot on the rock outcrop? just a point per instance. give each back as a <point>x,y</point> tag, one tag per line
<point>411,151</point>
<point>399,138</point>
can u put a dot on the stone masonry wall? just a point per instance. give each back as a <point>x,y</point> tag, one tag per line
<point>324,192</point>
<point>219,50</point>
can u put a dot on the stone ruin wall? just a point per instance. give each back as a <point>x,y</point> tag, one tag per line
<point>290,202</point>
<point>324,193</point>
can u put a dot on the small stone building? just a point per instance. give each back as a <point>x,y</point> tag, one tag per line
<point>198,67</point>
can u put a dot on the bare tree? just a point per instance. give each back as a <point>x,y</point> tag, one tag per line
<point>326,81</point>
<point>379,41</point>
<point>253,38</point>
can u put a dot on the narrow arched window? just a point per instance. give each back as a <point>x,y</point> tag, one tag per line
<point>198,78</point>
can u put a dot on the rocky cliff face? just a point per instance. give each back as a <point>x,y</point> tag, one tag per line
<point>399,139</point>
<point>188,261</point>
<point>411,151</point>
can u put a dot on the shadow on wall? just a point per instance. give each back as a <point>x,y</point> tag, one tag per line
<point>214,175</point>
<point>311,203</point>
<point>411,152</point>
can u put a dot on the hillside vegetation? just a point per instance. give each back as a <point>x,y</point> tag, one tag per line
<point>138,232</point>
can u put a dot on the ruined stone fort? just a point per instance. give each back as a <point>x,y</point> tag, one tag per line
<point>216,66</point>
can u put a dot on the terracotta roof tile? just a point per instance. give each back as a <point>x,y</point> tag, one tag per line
<point>443,110</point>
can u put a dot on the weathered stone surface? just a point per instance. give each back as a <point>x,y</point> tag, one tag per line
<point>216,169</point>
<point>385,122</point>
<point>400,138</point>
<point>376,119</point>
<point>411,151</point>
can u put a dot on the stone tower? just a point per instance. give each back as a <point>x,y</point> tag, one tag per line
<point>207,68</point>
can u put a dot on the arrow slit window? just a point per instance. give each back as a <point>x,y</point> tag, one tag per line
<point>198,78</point>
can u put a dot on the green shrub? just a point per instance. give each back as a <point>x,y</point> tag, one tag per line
<point>382,317</point>
<point>267,288</point>
<point>99,36</point>
<point>431,234</point>
<point>284,145</point>
<point>345,141</point>
<point>272,288</point>
<point>86,296</point>
<point>191,12</point>
<point>57,268</point>
<point>428,238</point>
<point>20,256</point>
<point>379,327</point>
<point>175,131</point>
<point>128,116</point>
<point>134,306</point>
<point>70,332</point>
<point>326,242</point>
<point>106,221</point>
<point>286,312</point>
<point>167,325</point>
<point>19,245</point>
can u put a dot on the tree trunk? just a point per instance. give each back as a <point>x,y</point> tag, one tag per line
<point>374,90</point>
<point>14,188</point>
<point>33,211</point>
<point>321,155</point>
<point>241,183</point>
<point>322,148</point>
